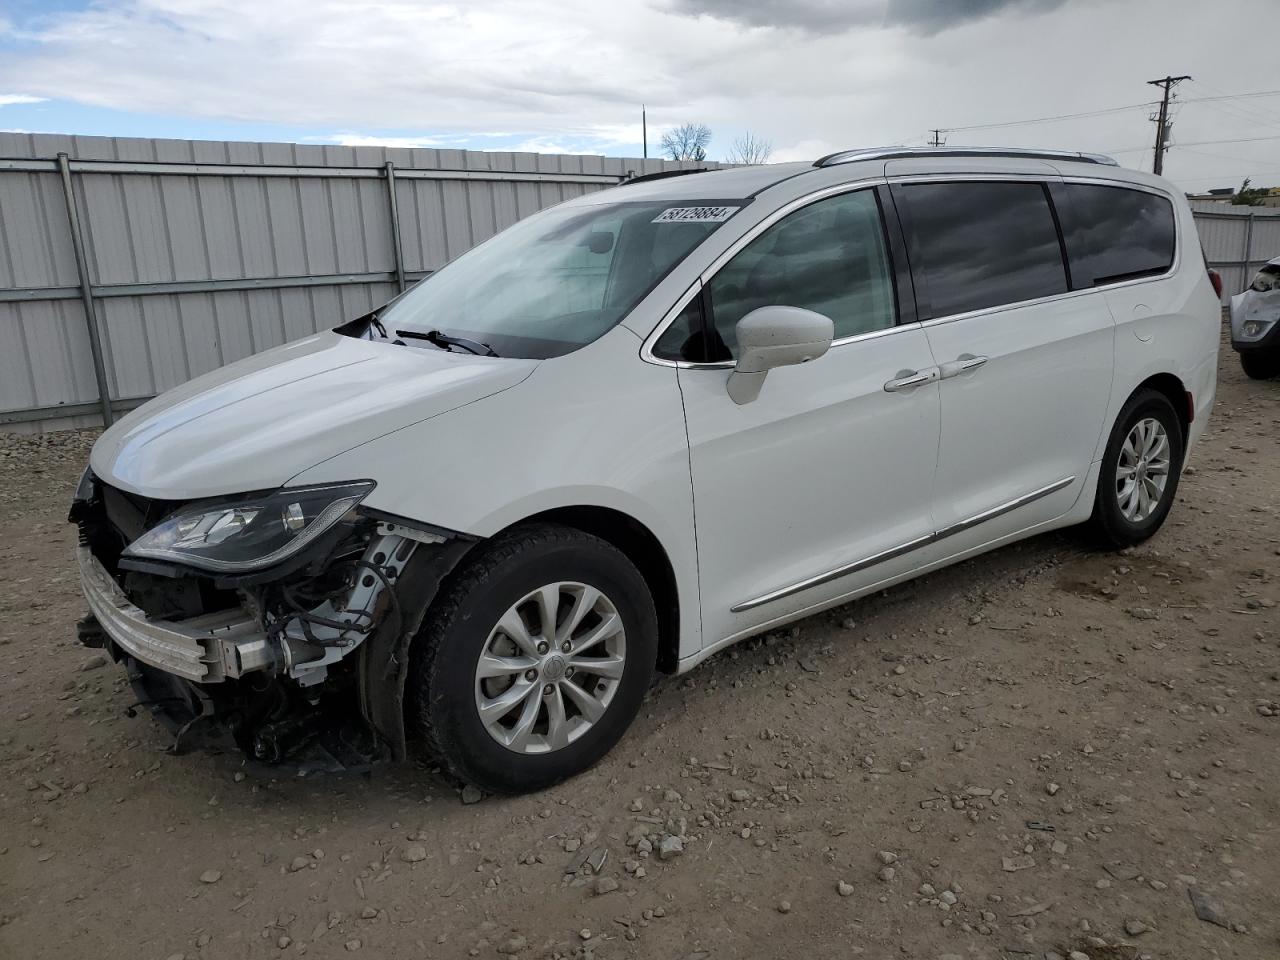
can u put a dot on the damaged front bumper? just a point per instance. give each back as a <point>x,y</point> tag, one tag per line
<point>1255,313</point>
<point>205,649</point>
<point>320,645</point>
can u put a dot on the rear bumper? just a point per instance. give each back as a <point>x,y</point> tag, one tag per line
<point>205,649</point>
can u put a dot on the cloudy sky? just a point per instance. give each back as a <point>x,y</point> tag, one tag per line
<point>569,76</point>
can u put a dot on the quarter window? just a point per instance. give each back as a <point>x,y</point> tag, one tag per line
<point>1114,233</point>
<point>685,339</point>
<point>979,245</point>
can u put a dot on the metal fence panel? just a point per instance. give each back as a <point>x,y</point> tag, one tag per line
<point>35,241</point>
<point>1266,240</point>
<point>1221,238</point>
<point>1236,240</point>
<point>44,354</point>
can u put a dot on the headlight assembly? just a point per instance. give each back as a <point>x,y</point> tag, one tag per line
<point>1268,278</point>
<point>251,534</point>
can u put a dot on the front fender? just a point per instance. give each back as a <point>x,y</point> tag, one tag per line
<point>595,428</point>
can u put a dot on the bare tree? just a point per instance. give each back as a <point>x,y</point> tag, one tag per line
<point>687,141</point>
<point>750,148</point>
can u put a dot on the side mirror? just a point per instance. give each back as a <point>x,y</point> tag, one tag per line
<point>771,337</point>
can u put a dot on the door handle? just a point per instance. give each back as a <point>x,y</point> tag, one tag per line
<point>962,364</point>
<point>907,379</point>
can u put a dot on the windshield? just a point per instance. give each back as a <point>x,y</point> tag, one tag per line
<point>559,279</point>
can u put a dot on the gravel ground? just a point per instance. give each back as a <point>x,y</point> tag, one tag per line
<point>1041,751</point>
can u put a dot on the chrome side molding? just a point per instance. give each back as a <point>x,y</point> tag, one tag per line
<point>845,569</point>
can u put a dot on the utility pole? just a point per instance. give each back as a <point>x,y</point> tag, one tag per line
<point>937,140</point>
<point>644,130</point>
<point>1162,121</point>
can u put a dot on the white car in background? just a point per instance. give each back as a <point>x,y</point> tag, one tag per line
<point>638,427</point>
<point>1255,323</point>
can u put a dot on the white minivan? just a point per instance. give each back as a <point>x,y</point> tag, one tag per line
<point>637,427</point>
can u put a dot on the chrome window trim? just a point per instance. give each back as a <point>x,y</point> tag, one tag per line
<point>707,275</point>
<point>863,563</point>
<point>1052,298</point>
<point>729,364</point>
<point>1119,184</point>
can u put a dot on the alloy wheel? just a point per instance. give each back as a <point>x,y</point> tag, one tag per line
<point>1142,471</point>
<point>550,667</point>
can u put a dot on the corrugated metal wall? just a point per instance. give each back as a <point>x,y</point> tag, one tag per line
<point>200,253</point>
<point>1237,240</point>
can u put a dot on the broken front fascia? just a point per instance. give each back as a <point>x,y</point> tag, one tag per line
<point>229,644</point>
<point>1255,313</point>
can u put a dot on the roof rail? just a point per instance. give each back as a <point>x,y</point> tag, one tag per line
<point>894,153</point>
<point>663,174</point>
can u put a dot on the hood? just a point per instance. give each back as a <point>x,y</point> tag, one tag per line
<point>258,422</point>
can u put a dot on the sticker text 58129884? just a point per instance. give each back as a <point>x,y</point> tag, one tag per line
<point>695,215</point>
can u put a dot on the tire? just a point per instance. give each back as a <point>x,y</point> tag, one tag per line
<point>472,617</point>
<point>1261,364</point>
<point>1121,518</point>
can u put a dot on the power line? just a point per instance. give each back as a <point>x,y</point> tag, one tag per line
<point>1104,112</point>
<point>1205,143</point>
<point>1054,119</point>
<point>1223,156</point>
<point>1234,96</point>
<point>1234,113</point>
<point>1228,103</point>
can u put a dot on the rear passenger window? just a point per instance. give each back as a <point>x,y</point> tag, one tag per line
<point>979,245</point>
<point>1114,233</point>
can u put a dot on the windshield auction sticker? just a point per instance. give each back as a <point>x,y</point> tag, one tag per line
<point>695,215</point>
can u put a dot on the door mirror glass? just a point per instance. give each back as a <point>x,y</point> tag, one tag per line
<point>771,337</point>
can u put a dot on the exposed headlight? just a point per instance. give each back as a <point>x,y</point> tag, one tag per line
<point>1268,278</point>
<point>252,534</point>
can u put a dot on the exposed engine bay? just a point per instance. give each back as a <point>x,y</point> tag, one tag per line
<point>314,645</point>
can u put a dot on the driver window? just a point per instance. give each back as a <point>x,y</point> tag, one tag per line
<point>829,257</point>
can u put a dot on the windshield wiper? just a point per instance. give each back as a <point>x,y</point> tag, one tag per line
<point>444,342</point>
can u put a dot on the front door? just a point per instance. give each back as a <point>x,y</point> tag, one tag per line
<point>813,489</point>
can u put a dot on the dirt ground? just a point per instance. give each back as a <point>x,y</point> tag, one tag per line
<point>1043,750</point>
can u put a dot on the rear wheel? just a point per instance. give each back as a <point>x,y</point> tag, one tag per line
<point>534,660</point>
<point>1140,471</point>
<point>1261,364</point>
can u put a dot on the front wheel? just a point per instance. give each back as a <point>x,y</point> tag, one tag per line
<point>534,660</point>
<point>1140,471</point>
<point>1261,364</point>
